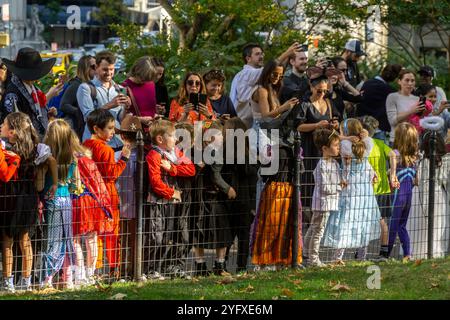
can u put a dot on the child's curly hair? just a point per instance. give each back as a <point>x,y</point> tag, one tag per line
<point>370,124</point>
<point>324,137</point>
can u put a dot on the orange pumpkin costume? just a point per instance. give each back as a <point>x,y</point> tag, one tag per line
<point>103,155</point>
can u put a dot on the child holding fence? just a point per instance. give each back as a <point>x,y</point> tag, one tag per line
<point>328,185</point>
<point>357,222</point>
<point>101,124</point>
<point>165,163</point>
<point>406,149</point>
<point>19,197</point>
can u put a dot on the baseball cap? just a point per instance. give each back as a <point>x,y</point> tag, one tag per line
<point>426,70</point>
<point>354,45</point>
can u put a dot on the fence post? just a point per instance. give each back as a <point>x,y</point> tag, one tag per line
<point>139,202</point>
<point>296,198</point>
<point>431,188</point>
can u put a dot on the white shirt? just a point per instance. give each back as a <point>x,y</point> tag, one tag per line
<point>327,179</point>
<point>242,88</point>
<point>397,103</point>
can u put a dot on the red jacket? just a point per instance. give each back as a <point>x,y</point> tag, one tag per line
<point>9,163</point>
<point>183,168</point>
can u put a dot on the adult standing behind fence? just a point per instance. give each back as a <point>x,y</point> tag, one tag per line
<point>141,90</point>
<point>403,104</point>
<point>317,111</point>
<point>162,95</point>
<point>181,109</point>
<point>107,95</point>
<point>373,102</point>
<point>221,102</point>
<point>22,95</point>
<point>352,54</point>
<point>244,81</point>
<point>69,103</point>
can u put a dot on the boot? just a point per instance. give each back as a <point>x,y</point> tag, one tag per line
<point>201,270</point>
<point>218,268</point>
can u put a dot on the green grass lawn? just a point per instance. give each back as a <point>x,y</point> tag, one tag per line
<point>413,280</point>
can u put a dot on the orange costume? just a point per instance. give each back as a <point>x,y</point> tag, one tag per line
<point>9,162</point>
<point>103,155</point>
<point>177,110</point>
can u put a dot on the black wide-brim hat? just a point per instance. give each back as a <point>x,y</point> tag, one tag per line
<point>29,65</point>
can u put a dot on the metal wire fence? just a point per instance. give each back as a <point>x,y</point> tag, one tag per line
<point>271,220</point>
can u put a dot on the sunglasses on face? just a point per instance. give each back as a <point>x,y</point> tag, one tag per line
<point>192,83</point>
<point>320,91</point>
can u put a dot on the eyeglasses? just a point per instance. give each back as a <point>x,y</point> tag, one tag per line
<point>192,83</point>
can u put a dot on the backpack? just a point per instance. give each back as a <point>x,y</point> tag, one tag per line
<point>93,93</point>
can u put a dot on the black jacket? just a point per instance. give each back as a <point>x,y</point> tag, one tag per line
<point>293,86</point>
<point>17,98</point>
<point>375,92</point>
<point>69,105</point>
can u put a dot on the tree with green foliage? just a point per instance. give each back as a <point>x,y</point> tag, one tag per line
<point>110,12</point>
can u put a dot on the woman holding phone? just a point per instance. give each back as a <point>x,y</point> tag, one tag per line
<point>184,110</point>
<point>221,103</point>
<point>141,89</point>
<point>403,104</point>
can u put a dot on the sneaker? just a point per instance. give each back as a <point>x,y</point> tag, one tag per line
<point>24,284</point>
<point>177,272</point>
<point>46,284</point>
<point>316,263</point>
<point>155,275</point>
<point>380,258</point>
<point>8,285</point>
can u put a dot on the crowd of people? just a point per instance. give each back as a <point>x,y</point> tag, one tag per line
<point>70,168</point>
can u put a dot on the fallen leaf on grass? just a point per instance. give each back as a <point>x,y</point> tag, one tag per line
<point>418,262</point>
<point>195,280</point>
<point>332,283</point>
<point>297,282</point>
<point>226,280</point>
<point>225,274</point>
<point>434,285</point>
<point>118,296</point>
<point>341,287</point>
<point>287,292</point>
<point>249,289</point>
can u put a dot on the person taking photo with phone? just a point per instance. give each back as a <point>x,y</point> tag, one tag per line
<point>184,110</point>
<point>403,104</point>
<point>106,96</point>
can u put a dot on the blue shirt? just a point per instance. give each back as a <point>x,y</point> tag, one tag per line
<point>104,95</point>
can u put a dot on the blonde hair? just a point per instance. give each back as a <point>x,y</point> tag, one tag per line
<point>353,127</point>
<point>159,128</point>
<point>143,70</point>
<point>407,143</point>
<point>63,144</point>
<point>25,135</point>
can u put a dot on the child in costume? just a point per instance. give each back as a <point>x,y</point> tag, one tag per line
<point>328,185</point>
<point>101,124</point>
<point>407,150</point>
<point>357,221</point>
<point>378,158</point>
<point>19,197</point>
<point>91,213</point>
<point>58,248</point>
<point>165,163</point>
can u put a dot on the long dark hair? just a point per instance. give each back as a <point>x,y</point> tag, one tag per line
<point>158,62</point>
<point>440,150</point>
<point>264,81</point>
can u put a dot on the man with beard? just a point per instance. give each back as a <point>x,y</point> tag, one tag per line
<point>244,82</point>
<point>296,84</point>
<point>352,54</point>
